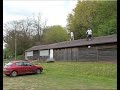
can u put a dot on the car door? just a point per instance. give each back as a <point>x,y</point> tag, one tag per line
<point>20,68</point>
<point>29,67</point>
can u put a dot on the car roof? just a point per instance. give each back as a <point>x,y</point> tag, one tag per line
<point>14,61</point>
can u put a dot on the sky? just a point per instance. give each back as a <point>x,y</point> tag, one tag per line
<point>55,12</point>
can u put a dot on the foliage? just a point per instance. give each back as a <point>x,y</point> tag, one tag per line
<point>6,53</point>
<point>22,42</point>
<point>20,57</point>
<point>55,34</point>
<point>100,16</point>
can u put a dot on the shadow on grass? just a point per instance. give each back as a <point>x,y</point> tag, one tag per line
<point>24,75</point>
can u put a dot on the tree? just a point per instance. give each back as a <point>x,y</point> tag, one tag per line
<point>55,34</point>
<point>105,22</point>
<point>23,34</point>
<point>5,53</point>
<point>100,16</point>
<point>18,33</point>
<point>22,42</point>
<point>39,26</point>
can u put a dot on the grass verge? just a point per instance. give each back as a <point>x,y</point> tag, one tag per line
<point>67,76</point>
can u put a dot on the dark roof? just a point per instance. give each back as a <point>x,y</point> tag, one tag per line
<point>74,43</point>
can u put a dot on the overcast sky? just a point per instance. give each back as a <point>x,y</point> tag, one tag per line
<point>55,12</point>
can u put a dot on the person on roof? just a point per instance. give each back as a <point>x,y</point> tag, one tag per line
<point>72,36</point>
<point>89,34</point>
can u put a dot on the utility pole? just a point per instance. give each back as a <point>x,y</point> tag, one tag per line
<point>15,43</point>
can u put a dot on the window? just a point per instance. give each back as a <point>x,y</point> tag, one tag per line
<point>29,53</point>
<point>19,63</point>
<point>27,64</point>
<point>44,53</point>
<point>9,64</point>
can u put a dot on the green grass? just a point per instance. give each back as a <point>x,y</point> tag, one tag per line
<point>67,76</point>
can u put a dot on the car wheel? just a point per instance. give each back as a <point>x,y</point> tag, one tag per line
<point>38,71</point>
<point>13,74</point>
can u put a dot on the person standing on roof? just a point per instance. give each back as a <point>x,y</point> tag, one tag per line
<point>72,36</point>
<point>89,34</point>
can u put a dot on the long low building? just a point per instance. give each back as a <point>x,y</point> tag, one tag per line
<point>99,48</point>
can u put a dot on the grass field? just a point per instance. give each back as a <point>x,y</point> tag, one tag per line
<point>67,76</point>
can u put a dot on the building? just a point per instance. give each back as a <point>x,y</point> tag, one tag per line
<point>100,48</point>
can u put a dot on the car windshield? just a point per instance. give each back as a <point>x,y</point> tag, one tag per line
<point>9,64</point>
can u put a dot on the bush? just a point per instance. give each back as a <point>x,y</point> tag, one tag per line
<point>20,57</point>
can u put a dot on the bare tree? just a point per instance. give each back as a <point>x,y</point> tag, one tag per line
<point>22,34</point>
<point>39,25</point>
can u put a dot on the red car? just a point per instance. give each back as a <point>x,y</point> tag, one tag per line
<point>15,68</point>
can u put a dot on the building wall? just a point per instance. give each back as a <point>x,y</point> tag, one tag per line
<point>105,52</point>
<point>96,52</point>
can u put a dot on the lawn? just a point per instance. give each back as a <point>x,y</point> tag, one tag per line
<point>67,76</point>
